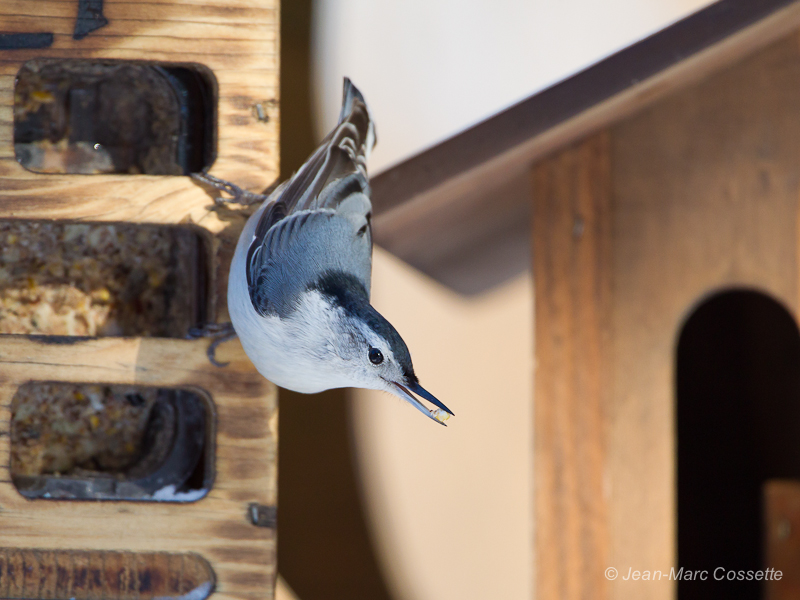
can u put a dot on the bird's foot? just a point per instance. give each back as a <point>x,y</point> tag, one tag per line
<point>238,195</point>
<point>219,332</point>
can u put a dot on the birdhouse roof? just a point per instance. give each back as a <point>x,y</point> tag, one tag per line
<point>445,204</point>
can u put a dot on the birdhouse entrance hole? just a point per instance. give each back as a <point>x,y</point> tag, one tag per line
<point>738,431</point>
<point>79,116</point>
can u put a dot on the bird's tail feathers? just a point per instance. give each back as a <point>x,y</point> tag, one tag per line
<point>352,101</point>
<point>341,157</point>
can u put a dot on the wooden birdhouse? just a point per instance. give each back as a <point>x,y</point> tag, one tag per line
<point>659,191</point>
<point>131,467</point>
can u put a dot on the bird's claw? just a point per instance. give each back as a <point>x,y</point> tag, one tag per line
<point>210,330</point>
<point>220,332</point>
<point>238,195</point>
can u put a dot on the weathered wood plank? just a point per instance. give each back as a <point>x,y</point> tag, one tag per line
<point>238,42</point>
<point>217,526</point>
<point>782,538</point>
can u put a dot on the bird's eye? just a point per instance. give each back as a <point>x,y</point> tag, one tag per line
<point>375,356</point>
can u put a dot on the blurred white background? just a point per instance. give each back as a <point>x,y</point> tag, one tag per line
<point>430,68</point>
<point>450,510</point>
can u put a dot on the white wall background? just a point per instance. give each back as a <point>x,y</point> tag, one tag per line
<point>430,68</point>
<point>450,510</point>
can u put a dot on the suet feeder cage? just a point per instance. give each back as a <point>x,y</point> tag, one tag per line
<point>110,255</point>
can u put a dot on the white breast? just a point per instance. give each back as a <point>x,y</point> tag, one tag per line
<point>292,353</point>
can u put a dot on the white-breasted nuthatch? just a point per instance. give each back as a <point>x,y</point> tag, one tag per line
<point>298,289</point>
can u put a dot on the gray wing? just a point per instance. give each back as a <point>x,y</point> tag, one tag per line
<point>307,245</point>
<point>320,219</point>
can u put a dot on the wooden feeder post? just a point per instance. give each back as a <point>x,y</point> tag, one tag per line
<point>233,528</point>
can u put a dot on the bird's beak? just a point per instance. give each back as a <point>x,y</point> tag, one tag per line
<point>404,391</point>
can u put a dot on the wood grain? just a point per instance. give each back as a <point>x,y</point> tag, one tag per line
<point>782,538</point>
<point>706,186</point>
<point>696,194</point>
<point>217,527</point>
<point>572,284</point>
<point>238,42</point>
<point>103,575</point>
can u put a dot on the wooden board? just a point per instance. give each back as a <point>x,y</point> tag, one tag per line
<point>238,42</point>
<point>782,537</point>
<point>217,527</point>
<point>571,272</point>
<point>704,196</point>
<point>706,189</point>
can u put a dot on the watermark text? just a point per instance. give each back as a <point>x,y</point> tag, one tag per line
<point>683,574</point>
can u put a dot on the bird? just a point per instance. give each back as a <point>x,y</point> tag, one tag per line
<point>299,282</point>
